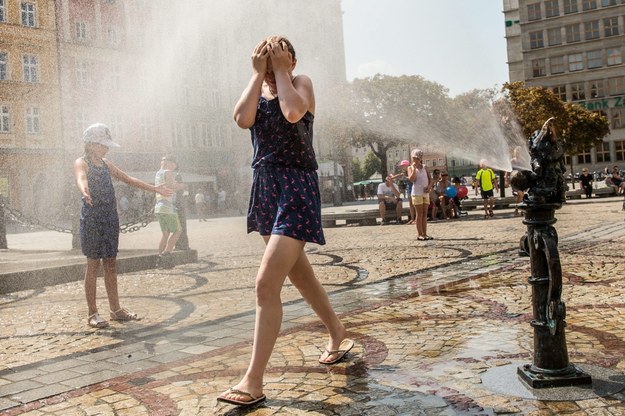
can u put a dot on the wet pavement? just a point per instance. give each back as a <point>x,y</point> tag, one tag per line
<point>432,321</point>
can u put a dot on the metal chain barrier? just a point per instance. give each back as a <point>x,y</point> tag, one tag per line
<point>30,222</point>
<point>136,224</point>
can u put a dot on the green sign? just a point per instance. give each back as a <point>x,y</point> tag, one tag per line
<point>605,103</point>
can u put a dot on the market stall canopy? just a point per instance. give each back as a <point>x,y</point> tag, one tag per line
<point>187,177</point>
<point>368,181</point>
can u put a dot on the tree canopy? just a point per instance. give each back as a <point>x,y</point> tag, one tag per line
<point>577,127</point>
<point>383,112</point>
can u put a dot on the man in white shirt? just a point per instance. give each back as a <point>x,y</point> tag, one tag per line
<point>389,199</point>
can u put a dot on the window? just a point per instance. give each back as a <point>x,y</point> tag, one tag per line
<point>603,152</point>
<point>618,118</point>
<point>533,11</point>
<point>576,62</point>
<point>539,68</point>
<point>552,8</point>
<point>620,150</point>
<point>591,30</point>
<point>554,36</point>
<point>112,36</point>
<point>2,11</point>
<point>560,92</point>
<point>206,142</point>
<point>82,73</point>
<point>570,6</point>
<point>577,91</point>
<point>81,31</point>
<point>536,39</point>
<point>33,124</point>
<point>146,130</point>
<point>614,56</point>
<point>589,4</point>
<point>583,156</point>
<point>615,86</point>
<point>434,162</point>
<point>4,119</point>
<point>116,77</point>
<point>81,122</point>
<point>610,26</point>
<point>596,89</point>
<point>593,59</point>
<point>608,3</point>
<point>572,33</point>
<point>116,126</point>
<point>30,68</point>
<point>28,14</point>
<point>3,65</point>
<point>557,64</point>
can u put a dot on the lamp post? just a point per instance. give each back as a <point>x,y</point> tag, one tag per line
<point>546,193</point>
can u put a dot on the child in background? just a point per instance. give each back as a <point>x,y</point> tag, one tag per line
<point>99,221</point>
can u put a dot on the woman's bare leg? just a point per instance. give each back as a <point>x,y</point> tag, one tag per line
<point>422,219</point>
<point>110,282</point>
<point>91,275</point>
<point>303,278</point>
<point>281,254</point>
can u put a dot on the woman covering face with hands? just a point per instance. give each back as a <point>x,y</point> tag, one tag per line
<point>284,207</point>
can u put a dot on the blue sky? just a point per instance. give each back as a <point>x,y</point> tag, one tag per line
<point>457,43</point>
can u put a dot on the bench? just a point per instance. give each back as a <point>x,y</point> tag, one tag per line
<point>364,216</point>
<point>469,204</point>
<point>597,192</point>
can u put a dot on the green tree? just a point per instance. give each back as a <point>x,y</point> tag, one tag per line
<point>371,165</point>
<point>385,111</point>
<point>357,172</point>
<point>578,128</point>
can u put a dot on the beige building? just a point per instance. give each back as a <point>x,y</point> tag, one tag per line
<point>30,149</point>
<point>575,48</point>
<point>163,75</point>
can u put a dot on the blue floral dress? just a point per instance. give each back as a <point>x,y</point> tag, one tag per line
<point>285,197</point>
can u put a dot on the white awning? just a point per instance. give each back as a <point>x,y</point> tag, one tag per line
<point>187,177</point>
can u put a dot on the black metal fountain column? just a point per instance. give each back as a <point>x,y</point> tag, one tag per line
<point>546,193</point>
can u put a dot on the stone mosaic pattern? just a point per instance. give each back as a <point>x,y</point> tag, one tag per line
<point>428,317</point>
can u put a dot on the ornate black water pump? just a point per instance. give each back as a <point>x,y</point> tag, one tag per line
<point>546,193</point>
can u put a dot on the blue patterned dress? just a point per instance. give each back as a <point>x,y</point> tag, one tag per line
<point>99,223</point>
<point>285,198</point>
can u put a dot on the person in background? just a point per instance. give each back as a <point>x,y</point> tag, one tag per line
<point>389,198</point>
<point>517,164</point>
<point>200,205</point>
<point>616,180</point>
<point>455,202</point>
<point>442,201</point>
<point>585,182</point>
<point>99,221</point>
<point>421,186</point>
<point>403,165</point>
<point>165,209</point>
<point>285,206</point>
<point>487,182</point>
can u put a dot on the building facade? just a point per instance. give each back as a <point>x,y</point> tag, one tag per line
<point>29,104</point>
<point>575,48</point>
<point>163,75</point>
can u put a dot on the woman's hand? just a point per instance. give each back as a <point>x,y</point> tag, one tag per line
<point>281,59</point>
<point>259,57</point>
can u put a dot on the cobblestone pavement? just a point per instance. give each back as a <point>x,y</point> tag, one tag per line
<point>429,320</point>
